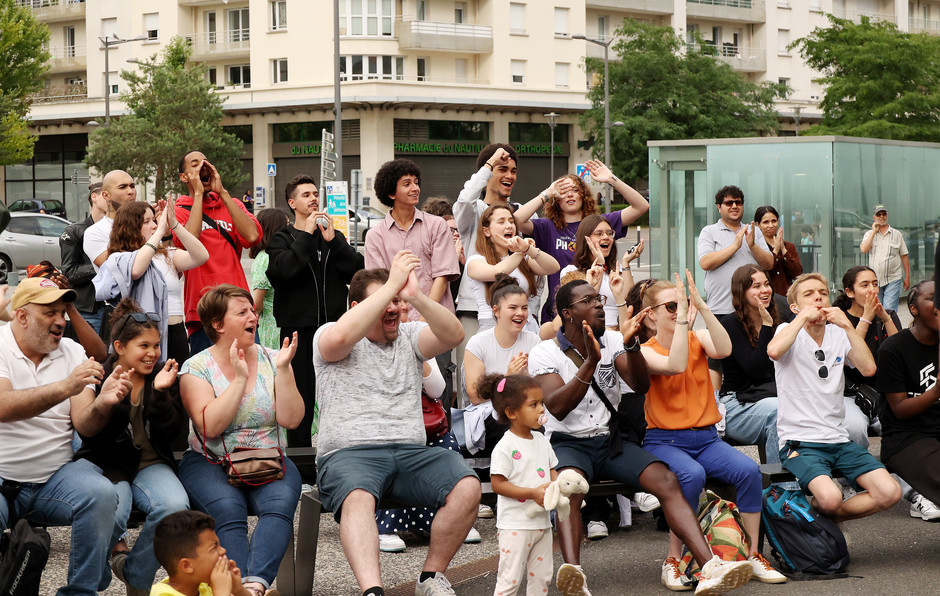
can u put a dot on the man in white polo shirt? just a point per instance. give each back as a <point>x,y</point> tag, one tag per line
<point>39,372</point>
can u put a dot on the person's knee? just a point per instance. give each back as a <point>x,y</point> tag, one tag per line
<point>828,501</point>
<point>169,503</point>
<point>466,492</point>
<point>660,481</point>
<point>358,502</point>
<point>887,493</point>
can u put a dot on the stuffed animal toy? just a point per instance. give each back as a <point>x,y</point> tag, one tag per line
<point>557,493</point>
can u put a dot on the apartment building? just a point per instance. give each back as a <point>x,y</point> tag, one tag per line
<point>431,80</point>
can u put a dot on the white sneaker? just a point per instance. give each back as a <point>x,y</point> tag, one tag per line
<point>646,502</point>
<point>435,586</point>
<point>391,543</point>
<point>763,572</point>
<point>720,576</point>
<point>485,512</point>
<point>671,578</point>
<point>473,537</point>
<point>924,508</point>
<point>571,581</point>
<point>596,530</point>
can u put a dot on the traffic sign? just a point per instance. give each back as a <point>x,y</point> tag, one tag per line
<point>272,169</point>
<point>582,172</point>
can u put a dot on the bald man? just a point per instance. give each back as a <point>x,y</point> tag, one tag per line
<point>117,188</point>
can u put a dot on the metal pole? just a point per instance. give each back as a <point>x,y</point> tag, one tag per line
<point>107,83</point>
<point>337,96</point>
<point>607,197</point>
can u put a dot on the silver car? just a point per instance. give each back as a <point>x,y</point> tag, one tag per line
<point>29,239</point>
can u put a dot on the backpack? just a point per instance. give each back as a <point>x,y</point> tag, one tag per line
<point>723,529</point>
<point>805,544</point>
<point>24,551</point>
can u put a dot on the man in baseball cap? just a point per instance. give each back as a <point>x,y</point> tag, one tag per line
<point>39,290</point>
<point>887,256</point>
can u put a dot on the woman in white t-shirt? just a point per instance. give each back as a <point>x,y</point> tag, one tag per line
<point>500,250</point>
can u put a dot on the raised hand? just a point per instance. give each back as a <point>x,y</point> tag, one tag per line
<point>287,351</point>
<point>739,236</point>
<point>88,372</point>
<point>328,232</point>
<point>215,181</point>
<point>599,171</point>
<point>765,319</point>
<point>697,300</point>
<point>595,276</point>
<point>237,357</point>
<point>778,244</point>
<point>500,158</point>
<point>517,244</point>
<point>404,263</point>
<point>519,364</point>
<point>169,207</point>
<point>162,224</point>
<point>630,326</point>
<point>617,286</point>
<point>561,187</point>
<point>750,230</point>
<point>116,387</point>
<point>595,250</point>
<point>634,253</point>
<point>870,310</point>
<point>836,316</point>
<point>592,347</point>
<point>167,375</point>
<point>682,302</point>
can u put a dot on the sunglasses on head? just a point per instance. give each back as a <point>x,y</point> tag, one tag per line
<point>823,371</point>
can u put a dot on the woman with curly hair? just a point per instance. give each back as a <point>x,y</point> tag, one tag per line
<point>568,201</point>
<point>141,267</point>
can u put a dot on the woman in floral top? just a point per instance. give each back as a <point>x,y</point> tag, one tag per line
<point>271,220</point>
<point>228,391</point>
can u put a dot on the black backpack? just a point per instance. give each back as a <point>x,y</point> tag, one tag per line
<point>806,544</point>
<point>24,551</point>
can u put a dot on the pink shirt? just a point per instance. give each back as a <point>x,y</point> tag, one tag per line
<point>430,238</point>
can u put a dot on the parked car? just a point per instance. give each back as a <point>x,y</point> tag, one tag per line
<point>51,206</point>
<point>365,218</point>
<point>29,239</point>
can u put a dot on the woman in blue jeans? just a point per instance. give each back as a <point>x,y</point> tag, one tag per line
<point>130,439</point>
<point>240,394</point>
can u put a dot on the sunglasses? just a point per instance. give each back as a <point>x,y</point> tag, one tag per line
<point>733,203</point>
<point>671,307</point>
<point>591,300</point>
<point>823,371</point>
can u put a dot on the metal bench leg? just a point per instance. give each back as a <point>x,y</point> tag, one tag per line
<point>286,571</point>
<point>308,533</point>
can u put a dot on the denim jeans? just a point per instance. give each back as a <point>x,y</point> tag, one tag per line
<point>157,492</point>
<point>76,495</point>
<point>93,319</point>
<point>890,295</point>
<point>753,424</point>
<point>274,504</point>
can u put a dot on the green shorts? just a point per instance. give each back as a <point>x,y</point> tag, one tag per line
<point>806,460</point>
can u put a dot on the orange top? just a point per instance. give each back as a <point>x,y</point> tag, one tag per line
<point>685,400</point>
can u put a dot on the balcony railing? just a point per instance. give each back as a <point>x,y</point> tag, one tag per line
<point>744,11</point>
<point>55,10</point>
<point>856,15</point>
<point>445,37</point>
<point>731,3</point>
<point>923,26</point>
<point>61,93</point>
<point>67,58</point>
<point>645,6</point>
<point>228,43</point>
<point>740,58</point>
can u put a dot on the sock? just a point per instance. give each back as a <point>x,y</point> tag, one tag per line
<point>426,575</point>
<point>376,591</point>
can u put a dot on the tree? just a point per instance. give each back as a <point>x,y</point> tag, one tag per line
<point>23,57</point>
<point>172,109</point>
<point>661,92</point>
<point>880,82</point>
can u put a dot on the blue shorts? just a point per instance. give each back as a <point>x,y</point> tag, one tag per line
<point>589,454</point>
<point>415,475</point>
<point>807,461</point>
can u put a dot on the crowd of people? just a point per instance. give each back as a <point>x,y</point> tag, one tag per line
<point>152,340</point>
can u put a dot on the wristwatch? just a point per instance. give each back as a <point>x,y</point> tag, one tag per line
<point>634,345</point>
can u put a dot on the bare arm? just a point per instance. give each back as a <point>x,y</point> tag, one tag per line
<point>91,413</point>
<point>480,270</point>
<point>87,337</point>
<point>637,205</point>
<point>290,404</point>
<point>444,331</point>
<point>717,258</point>
<point>22,404</point>
<point>257,297</point>
<point>868,238</point>
<point>859,354</point>
<point>473,372</point>
<point>218,411</point>
<point>562,398</point>
<point>502,486</point>
<point>438,287</point>
<point>194,253</point>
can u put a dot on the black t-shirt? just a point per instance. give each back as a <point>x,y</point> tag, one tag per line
<point>747,365</point>
<point>906,366</point>
<point>874,339</point>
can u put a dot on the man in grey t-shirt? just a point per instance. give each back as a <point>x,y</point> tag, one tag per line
<point>371,443</point>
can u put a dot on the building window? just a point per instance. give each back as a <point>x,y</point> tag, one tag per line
<point>109,27</point>
<point>561,74</point>
<point>460,12</point>
<point>516,18</point>
<point>461,66</point>
<point>213,76</point>
<point>422,69</point>
<point>278,15</point>
<point>211,21</point>
<point>68,34</point>
<point>238,25</point>
<point>240,75</point>
<point>783,41</point>
<point>366,17</point>
<point>359,67</point>
<point>561,22</point>
<point>421,12</point>
<point>280,70</point>
<point>536,132</point>
<point>517,71</point>
<point>602,28</point>
<point>152,26</point>
<point>785,81</point>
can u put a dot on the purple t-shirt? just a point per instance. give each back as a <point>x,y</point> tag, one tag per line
<point>560,244</point>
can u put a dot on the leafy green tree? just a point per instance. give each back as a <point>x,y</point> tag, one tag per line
<point>172,109</point>
<point>23,65</point>
<point>662,91</point>
<point>880,82</point>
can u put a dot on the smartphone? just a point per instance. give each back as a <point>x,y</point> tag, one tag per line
<point>633,248</point>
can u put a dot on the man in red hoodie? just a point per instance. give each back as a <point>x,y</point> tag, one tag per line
<point>223,225</point>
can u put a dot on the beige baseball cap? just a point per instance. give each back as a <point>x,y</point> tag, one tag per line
<point>39,290</point>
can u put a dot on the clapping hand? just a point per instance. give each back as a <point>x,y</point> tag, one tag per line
<point>287,351</point>
<point>519,364</point>
<point>116,387</point>
<point>236,356</point>
<point>167,375</point>
<point>592,347</point>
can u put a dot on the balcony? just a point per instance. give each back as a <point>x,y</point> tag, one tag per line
<point>232,43</point>
<point>856,15</point>
<point>200,2</point>
<point>52,11</point>
<point>643,6</point>
<point>61,93</point>
<point>67,59</point>
<point>445,37</point>
<point>743,59</point>
<point>740,11</point>
<point>922,26</point>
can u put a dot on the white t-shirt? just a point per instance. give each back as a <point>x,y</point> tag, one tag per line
<point>526,463</point>
<point>96,239</point>
<point>485,311</point>
<point>496,358</point>
<point>34,449</point>
<point>590,417</point>
<point>174,289</point>
<point>809,407</point>
<point>611,318</point>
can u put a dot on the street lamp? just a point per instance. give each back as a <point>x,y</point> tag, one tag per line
<point>551,125</point>
<point>607,125</point>
<point>337,96</point>
<point>108,41</point>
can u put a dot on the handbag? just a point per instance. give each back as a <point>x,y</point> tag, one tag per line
<point>435,418</point>
<point>867,398</point>
<point>248,467</point>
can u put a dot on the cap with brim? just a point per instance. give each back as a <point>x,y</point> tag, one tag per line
<point>39,290</point>
<point>878,209</point>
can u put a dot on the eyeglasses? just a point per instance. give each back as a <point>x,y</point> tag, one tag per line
<point>823,371</point>
<point>672,306</point>
<point>733,202</point>
<point>603,234</point>
<point>591,300</point>
<point>454,231</point>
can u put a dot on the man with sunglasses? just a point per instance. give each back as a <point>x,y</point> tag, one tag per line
<point>809,355</point>
<point>726,245</point>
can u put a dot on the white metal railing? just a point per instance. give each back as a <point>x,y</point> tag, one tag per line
<point>219,42</point>
<point>923,26</point>
<point>433,35</point>
<point>61,93</point>
<point>856,15</point>
<point>728,3</point>
<point>73,51</point>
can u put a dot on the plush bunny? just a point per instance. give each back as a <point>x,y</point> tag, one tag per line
<point>557,492</point>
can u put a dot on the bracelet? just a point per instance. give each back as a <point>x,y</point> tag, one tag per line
<point>582,380</point>
<point>627,268</point>
<point>175,226</point>
<point>864,320</point>
<point>538,254</point>
<point>487,164</point>
<point>622,304</point>
<point>682,322</point>
<point>544,198</point>
<point>151,246</point>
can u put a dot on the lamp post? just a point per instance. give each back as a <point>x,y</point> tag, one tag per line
<point>108,41</point>
<point>337,96</point>
<point>551,154</point>
<point>607,124</point>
